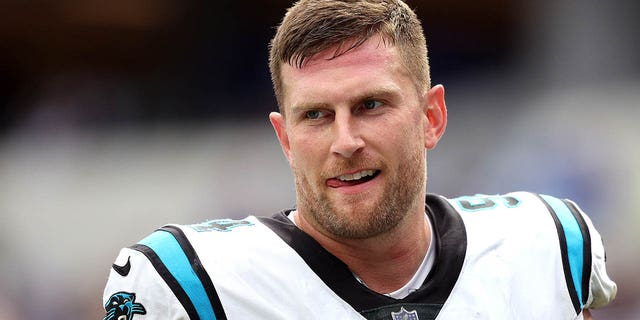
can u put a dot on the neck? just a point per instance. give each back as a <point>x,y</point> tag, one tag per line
<point>385,262</point>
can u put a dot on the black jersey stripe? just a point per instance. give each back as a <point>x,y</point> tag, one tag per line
<point>574,294</point>
<point>169,279</point>
<point>174,259</point>
<point>586,236</point>
<point>333,272</point>
<point>199,270</point>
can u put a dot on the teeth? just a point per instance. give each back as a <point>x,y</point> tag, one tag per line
<point>356,176</point>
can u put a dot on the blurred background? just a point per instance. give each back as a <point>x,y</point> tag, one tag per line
<point>117,117</point>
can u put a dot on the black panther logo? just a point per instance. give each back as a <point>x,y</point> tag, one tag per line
<point>122,306</point>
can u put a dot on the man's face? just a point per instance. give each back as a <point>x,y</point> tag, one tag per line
<point>355,131</point>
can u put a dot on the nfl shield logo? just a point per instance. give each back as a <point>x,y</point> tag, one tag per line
<point>405,315</point>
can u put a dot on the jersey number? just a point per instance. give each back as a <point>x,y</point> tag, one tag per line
<point>477,203</point>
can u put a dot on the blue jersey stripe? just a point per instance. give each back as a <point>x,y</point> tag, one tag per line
<point>165,245</point>
<point>574,241</point>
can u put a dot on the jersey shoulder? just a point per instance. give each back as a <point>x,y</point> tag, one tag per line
<point>529,219</point>
<point>164,273</point>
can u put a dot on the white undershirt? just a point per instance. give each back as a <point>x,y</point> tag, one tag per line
<point>418,278</point>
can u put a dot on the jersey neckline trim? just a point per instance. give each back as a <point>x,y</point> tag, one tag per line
<point>451,244</point>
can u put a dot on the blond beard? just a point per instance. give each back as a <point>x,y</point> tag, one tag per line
<point>364,221</point>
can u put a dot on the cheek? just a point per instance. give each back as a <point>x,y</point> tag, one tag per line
<point>404,133</point>
<point>305,149</point>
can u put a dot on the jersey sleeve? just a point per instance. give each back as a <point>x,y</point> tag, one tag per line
<point>583,255</point>
<point>602,290</point>
<point>166,278</point>
<point>135,287</point>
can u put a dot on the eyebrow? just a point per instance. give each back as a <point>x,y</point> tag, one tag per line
<point>308,106</point>
<point>390,92</point>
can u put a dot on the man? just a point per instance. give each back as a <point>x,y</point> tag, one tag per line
<point>357,114</point>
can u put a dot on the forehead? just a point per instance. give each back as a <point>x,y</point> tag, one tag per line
<point>372,64</point>
<point>372,51</point>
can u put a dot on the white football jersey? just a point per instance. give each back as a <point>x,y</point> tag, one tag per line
<point>514,256</point>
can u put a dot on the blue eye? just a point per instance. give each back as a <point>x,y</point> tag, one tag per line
<point>313,114</point>
<point>371,104</point>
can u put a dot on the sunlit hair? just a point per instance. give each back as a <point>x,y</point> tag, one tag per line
<point>312,26</point>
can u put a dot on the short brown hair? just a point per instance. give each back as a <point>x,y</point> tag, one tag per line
<point>311,26</point>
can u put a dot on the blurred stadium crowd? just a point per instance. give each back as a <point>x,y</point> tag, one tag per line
<point>117,117</point>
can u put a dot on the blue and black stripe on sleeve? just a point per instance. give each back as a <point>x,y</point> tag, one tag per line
<point>178,264</point>
<point>575,247</point>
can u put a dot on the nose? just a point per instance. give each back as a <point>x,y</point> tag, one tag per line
<point>347,138</point>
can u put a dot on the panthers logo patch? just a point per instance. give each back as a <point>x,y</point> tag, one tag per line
<point>122,306</point>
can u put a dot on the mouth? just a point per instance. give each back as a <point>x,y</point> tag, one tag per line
<point>352,179</point>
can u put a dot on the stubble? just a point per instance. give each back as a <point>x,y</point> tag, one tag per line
<point>366,215</point>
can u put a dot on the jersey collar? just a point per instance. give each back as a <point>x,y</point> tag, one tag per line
<point>451,244</point>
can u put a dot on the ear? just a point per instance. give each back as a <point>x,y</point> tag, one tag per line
<point>278,123</point>
<point>435,111</point>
